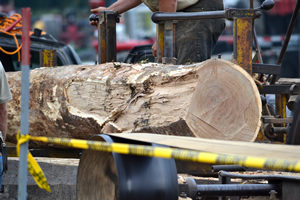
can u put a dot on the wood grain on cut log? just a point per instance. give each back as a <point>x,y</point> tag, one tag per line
<point>80,101</point>
<point>226,103</point>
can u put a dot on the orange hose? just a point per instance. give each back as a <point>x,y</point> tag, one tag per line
<point>8,21</point>
<point>14,25</point>
<point>15,29</point>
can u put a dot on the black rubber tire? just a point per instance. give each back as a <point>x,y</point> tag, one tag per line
<point>113,176</point>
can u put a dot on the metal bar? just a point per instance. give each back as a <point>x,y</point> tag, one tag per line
<point>280,89</point>
<point>243,37</point>
<point>262,177</point>
<point>159,16</point>
<point>265,68</point>
<point>257,47</point>
<point>111,49</point>
<point>287,37</point>
<point>160,31</point>
<point>168,40</point>
<point>280,130</point>
<point>102,38</point>
<point>174,39</point>
<point>22,173</point>
<point>281,103</point>
<point>169,43</point>
<point>231,168</point>
<point>269,119</point>
<point>236,189</point>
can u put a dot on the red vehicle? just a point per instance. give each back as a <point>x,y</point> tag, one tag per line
<point>126,45</point>
<point>96,3</point>
<point>125,41</point>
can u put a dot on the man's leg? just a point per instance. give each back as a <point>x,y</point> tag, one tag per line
<point>195,40</point>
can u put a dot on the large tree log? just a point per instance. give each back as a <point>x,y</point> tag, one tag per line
<point>80,101</point>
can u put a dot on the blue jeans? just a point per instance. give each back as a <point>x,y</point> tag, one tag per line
<point>196,39</point>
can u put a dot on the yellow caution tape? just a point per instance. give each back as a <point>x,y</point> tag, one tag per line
<point>162,152</point>
<point>33,167</point>
<point>180,154</point>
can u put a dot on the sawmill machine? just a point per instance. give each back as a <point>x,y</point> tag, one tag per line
<point>103,175</point>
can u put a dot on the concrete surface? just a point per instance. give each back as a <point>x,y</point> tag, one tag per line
<point>60,174</point>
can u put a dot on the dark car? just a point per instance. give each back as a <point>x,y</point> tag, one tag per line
<point>41,44</point>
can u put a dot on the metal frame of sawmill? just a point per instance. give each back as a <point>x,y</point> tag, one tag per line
<point>244,36</point>
<point>286,187</point>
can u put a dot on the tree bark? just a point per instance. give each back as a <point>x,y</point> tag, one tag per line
<point>80,101</point>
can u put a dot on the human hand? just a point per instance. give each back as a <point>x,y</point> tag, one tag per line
<point>99,9</point>
<point>95,11</point>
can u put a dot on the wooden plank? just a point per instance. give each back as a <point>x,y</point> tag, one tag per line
<point>276,151</point>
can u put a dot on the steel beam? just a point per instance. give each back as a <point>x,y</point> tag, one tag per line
<point>22,173</point>
<point>107,37</point>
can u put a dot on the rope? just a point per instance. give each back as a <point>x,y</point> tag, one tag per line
<point>11,26</point>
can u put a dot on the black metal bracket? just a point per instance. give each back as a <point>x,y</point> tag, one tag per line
<point>106,23</point>
<point>232,13</point>
<point>159,17</point>
<point>265,68</point>
<point>290,89</point>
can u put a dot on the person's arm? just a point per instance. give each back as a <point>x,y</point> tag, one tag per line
<point>120,6</point>
<point>167,5</point>
<point>3,120</point>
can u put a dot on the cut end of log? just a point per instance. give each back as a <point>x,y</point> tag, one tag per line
<point>226,103</point>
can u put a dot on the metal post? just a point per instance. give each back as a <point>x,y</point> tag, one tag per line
<point>22,173</point>
<point>257,47</point>
<point>168,16</point>
<point>107,37</point>
<point>236,189</point>
<point>160,31</point>
<point>169,43</point>
<point>111,47</point>
<point>251,4</point>
<point>281,102</point>
<point>243,37</point>
<point>102,38</point>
